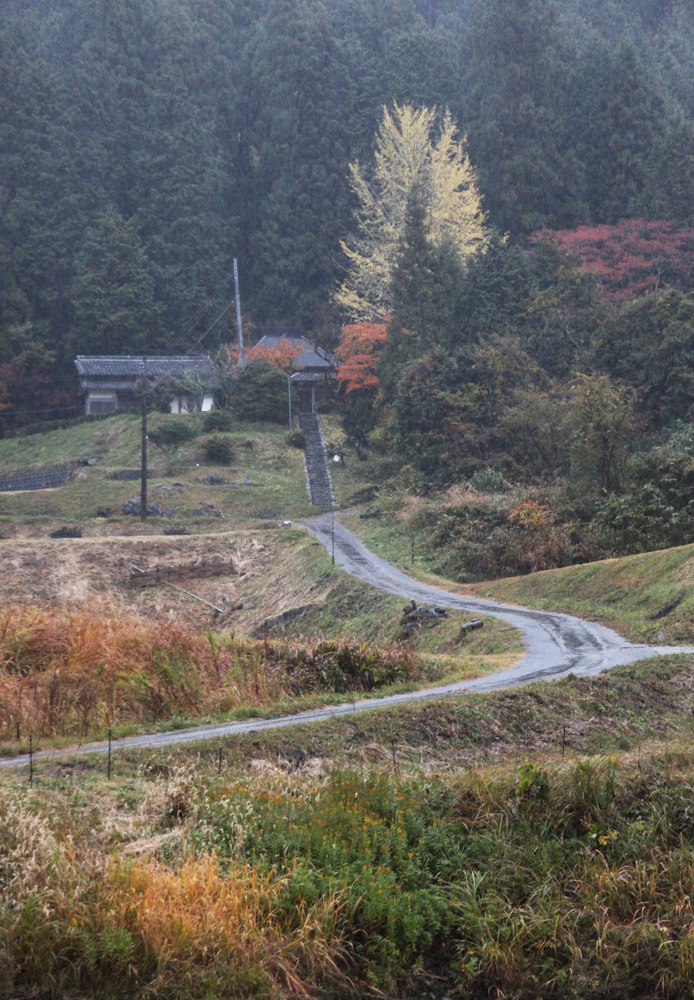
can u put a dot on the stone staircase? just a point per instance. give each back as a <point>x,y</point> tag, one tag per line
<point>320,486</point>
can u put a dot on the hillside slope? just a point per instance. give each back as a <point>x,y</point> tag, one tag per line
<point>646,597</point>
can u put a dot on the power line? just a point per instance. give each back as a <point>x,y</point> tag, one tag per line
<point>11,411</point>
<point>196,319</point>
<point>191,326</point>
<point>225,310</point>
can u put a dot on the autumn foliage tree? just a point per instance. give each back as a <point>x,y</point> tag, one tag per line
<point>634,256</point>
<point>360,348</point>
<point>359,351</point>
<point>413,152</point>
<point>281,355</point>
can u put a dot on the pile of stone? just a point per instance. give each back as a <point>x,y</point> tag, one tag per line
<point>209,510</point>
<point>414,617</point>
<point>471,626</point>
<point>133,507</point>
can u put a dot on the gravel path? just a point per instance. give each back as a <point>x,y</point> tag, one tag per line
<point>557,644</point>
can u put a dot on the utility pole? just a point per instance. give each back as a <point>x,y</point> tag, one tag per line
<point>332,529</point>
<point>237,296</point>
<point>289,396</point>
<point>143,482</point>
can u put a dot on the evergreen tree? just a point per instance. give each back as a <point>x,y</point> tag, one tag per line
<point>495,285</point>
<point>113,291</point>
<point>424,294</point>
<point>514,111</point>
<point>618,117</point>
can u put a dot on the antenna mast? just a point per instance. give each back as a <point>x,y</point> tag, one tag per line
<point>242,360</point>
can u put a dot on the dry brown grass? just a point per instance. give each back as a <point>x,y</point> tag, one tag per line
<point>197,917</point>
<point>274,571</point>
<point>154,931</point>
<point>73,672</point>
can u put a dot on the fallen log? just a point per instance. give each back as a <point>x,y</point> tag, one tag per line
<point>470,626</point>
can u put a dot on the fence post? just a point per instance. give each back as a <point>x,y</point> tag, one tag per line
<point>31,761</point>
<point>109,755</point>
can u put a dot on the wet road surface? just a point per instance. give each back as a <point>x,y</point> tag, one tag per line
<point>557,645</point>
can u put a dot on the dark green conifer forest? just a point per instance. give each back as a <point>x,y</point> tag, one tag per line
<point>144,143</point>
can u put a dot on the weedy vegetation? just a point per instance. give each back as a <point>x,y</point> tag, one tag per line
<point>523,877</point>
<point>77,673</point>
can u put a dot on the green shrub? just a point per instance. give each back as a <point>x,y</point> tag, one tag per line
<point>170,435</point>
<point>218,420</point>
<point>218,449</point>
<point>260,393</point>
<point>489,481</point>
<point>296,439</point>
<point>376,841</point>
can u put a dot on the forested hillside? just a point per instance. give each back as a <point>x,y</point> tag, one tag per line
<point>144,143</point>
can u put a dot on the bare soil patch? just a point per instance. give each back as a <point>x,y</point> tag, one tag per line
<point>259,572</point>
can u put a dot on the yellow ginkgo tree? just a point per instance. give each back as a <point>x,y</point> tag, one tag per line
<point>416,149</point>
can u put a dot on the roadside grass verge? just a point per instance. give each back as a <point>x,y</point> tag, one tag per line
<point>615,712</point>
<point>647,598</point>
<point>68,673</point>
<point>391,537</point>
<point>375,854</point>
<point>73,673</point>
<point>355,609</point>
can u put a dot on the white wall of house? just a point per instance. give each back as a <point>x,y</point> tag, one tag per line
<point>186,404</point>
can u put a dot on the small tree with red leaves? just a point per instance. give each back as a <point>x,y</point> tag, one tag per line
<point>359,350</point>
<point>281,355</point>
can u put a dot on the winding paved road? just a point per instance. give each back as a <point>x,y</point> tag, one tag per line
<point>557,644</point>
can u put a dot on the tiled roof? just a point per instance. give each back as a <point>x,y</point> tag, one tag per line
<point>309,355</point>
<point>130,367</point>
<point>308,376</point>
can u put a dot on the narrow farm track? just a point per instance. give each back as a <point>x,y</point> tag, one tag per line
<point>557,644</point>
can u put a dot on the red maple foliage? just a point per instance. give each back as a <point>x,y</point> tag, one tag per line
<point>634,256</point>
<point>282,355</point>
<point>359,350</point>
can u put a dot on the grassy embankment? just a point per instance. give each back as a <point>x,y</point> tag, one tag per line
<point>86,653</point>
<point>276,489</point>
<point>71,674</point>
<point>360,854</point>
<point>647,597</point>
